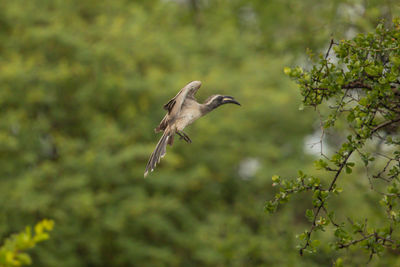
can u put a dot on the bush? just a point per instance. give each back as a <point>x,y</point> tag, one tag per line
<point>356,91</point>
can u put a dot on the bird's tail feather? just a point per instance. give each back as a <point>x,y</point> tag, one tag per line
<point>158,152</point>
<point>163,125</point>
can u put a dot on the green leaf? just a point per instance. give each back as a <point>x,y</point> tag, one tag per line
<point>276,178</point>
<point>371,71</point>
<point>348,170</point>
<point>24,259</point>
<point>363,101</point>
<point>320,164</point>
<point>310,215</point>
<point>287,70</point>
<point>395,60</point>
<point>339,262</point>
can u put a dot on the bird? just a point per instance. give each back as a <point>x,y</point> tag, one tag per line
<point>183,110</point>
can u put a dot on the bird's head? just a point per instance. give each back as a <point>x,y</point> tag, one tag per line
<point>215,101</point>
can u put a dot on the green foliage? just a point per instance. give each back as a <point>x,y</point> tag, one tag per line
<point>82,88</point>
<point>361,86</point>
<point>82,84</point>
<point>12,252</point>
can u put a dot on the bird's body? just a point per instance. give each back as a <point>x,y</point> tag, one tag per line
<point>190,112</point>
<point>183,110</point>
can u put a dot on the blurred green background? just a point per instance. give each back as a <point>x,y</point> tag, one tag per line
<point>82,84</point>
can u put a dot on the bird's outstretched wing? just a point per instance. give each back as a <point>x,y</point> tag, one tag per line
<point>175,104</point>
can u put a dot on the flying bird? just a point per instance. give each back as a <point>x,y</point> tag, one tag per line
<point>183,110</point>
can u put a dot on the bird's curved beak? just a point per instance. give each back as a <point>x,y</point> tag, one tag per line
<point>229,99</point>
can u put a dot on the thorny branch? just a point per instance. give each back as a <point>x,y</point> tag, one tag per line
<point>321,205</point>
<point>357,84</point>
<point>364,82</point>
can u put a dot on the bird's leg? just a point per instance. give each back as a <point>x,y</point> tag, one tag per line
<point>179,135</point>
<point>187,138</point>
<point>184,136</point>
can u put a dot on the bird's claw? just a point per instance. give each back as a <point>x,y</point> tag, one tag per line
<point>184,137</point>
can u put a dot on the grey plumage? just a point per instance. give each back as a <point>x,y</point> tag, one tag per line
<point>182,110</point>
<point>158,153</point>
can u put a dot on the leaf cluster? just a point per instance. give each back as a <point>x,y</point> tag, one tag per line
<point>13,252</point>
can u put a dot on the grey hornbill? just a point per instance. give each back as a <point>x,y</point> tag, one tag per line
<point>183,110</point>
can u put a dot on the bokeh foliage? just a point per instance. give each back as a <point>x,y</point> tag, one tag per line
<point>14,250</point>
<point>82,84</point>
